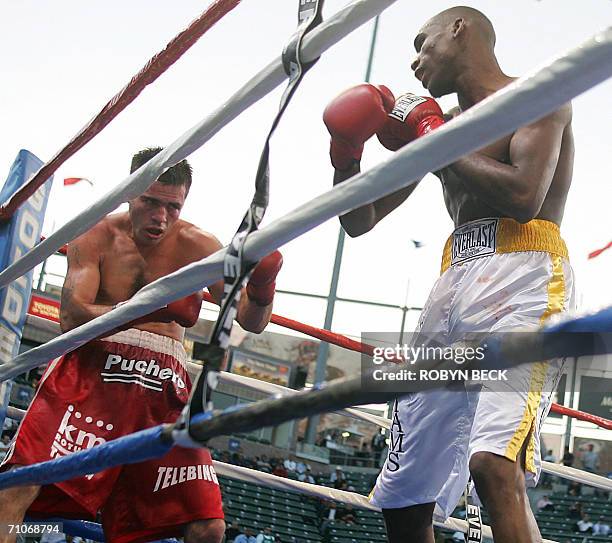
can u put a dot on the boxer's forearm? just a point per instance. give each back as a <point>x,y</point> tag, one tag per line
<point>360,220</point>
<point>497,184</point>
<point>388,203</point>
<point>252,317</point>
<point>74,313</point>
<point>364,218</point>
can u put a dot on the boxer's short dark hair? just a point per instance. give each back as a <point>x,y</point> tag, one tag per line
<point>179,174</point>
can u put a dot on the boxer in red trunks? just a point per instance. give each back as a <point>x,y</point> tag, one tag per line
<point>132,379</point>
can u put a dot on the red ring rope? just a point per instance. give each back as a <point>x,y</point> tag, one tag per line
<point>581,415</point>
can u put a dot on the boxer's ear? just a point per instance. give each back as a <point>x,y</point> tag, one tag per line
<point>458,26</point>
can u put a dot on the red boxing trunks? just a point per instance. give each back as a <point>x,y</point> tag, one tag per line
<point>106,389</point>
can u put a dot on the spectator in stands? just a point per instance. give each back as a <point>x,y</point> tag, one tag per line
<point>232,531</point>
<point>337,475</point>
<point>263,464</point>
<point>590,459</point>
<point>344,485</point>
<point>320,506</point>
<point>346,514</point>
<point>226,457</point>
<point>544,504</point>
<point>546,479</point>
<point>290,465</point>
<point>601,527</point>
<point>9,427</point>
<point>5,443</point>
<point>378,445</point>
<point>549,456</point>
<point>246,537</point>
<point>307,477</point>
<point>280,470</point>
<point>249,462</point>
<point>568,458</point>
<point>265,536</point>
<point>237,459</point>
<point>363,455</point>
<point>300,468</point>
<point>328,515</point>
<point>574,489</point>
<point>584,525</point>
<point>575,511</point>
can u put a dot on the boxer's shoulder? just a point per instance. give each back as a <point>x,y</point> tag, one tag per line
<point>96,239</point>
<point>195,241</point>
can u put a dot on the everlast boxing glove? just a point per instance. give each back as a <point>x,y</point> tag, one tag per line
<point>352,118</point>
<point>411,117</point>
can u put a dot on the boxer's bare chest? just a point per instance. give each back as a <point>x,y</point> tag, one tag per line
<point>125,269</point>
<point>462,205</point>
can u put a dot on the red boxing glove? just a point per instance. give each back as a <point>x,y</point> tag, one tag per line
<point>411,117</point>
<point>184,312</point>
<point>352,118</point>
<point>261,286</point>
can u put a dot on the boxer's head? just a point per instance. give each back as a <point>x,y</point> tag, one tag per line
<point>449,45</point>
<point>156,210</point>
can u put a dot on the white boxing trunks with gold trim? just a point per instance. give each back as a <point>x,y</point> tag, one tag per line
<point>497,275</point>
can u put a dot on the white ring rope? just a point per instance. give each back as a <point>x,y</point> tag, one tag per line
<point>15,413</point>
<point>315,43</point>
<point>527,99</point>
<point>578,475</point>
<point>350,498</point>
<point>279,390</point>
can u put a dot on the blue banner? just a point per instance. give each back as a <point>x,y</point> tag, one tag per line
<point>17,237</point>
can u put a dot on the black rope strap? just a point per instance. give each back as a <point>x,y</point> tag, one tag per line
<point>236,271</point>
<point>474,519</point>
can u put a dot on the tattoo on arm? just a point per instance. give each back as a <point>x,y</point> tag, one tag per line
<point>76,256</point>
<point>67,293</point>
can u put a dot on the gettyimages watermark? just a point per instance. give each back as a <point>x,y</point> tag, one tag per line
<point>503,362</point>
<point>410,354</point>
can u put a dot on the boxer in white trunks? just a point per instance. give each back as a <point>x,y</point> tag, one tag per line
<point>505,267</point>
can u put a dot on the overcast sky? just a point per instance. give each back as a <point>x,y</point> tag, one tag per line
<point>63,60</point>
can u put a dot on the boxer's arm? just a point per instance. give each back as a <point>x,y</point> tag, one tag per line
<point>359,220</point>
<point>255,309</point>
<point>362,219</point>
<point>517,189</point>
<point>82,283</point>
<point>252,317</point>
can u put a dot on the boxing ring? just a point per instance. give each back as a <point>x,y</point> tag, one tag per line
<point>526,100</point>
